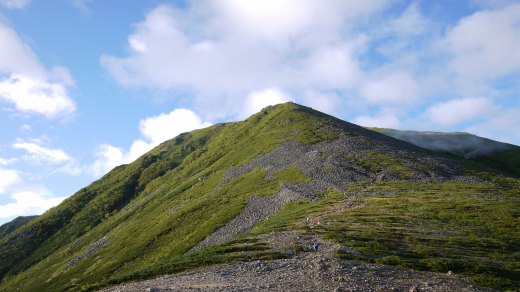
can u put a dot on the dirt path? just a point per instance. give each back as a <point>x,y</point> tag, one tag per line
<point>305,270</point>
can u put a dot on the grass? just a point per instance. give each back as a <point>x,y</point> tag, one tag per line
<point>463,228</point>
<point>377,162</point>
<point>241,249</point>
<point>469,229</point>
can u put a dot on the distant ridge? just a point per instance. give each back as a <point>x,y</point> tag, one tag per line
<point>7,228</point>
<point>502,156</point>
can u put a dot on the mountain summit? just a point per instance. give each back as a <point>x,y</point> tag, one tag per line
<point>223,193</point>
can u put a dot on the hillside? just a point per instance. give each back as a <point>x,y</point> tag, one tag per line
<point>16,223</point>
<point>213,195</point>
<point>500,156</point>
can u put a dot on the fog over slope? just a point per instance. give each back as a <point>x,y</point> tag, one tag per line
<point>463,144</point>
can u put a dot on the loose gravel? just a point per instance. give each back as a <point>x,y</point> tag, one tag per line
<point>302,271</point>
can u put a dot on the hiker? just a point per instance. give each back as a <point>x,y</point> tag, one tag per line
<point>316,246</point>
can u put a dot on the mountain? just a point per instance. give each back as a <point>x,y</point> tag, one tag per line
<point>223,193</point>
<point>7,228</point>
<point>502,156</point>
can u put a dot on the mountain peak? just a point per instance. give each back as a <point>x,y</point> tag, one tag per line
<point>212,195</point>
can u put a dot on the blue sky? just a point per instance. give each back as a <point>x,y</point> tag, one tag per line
<point>86,85</point>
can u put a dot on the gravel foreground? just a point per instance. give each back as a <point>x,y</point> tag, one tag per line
<point>303,271</point>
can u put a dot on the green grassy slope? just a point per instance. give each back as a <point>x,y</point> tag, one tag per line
<point>140,219</point>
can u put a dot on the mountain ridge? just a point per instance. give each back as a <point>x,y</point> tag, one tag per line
<point>502,156</point>
<point>188,188</point>
<point>11,226</point>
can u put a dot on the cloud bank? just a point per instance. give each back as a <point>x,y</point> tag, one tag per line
<point>223,51</point>
<point>344,57</point>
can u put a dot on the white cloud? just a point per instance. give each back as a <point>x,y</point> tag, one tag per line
<point>7,161</point>
<point>280,21</point>
<point>166,126</point>
<point>323,101</point>
<point>60,161</point>
<point>26,84</point>
<point>457,111</point>
<point>504,126</point>
<point>485,46</point>
<point>384,119</point>
<point>15,4</point>
<point>155,130</point>
<point>25,128</point>
<point>492,3</point>
<point>393,88</point>
<point>250,17</point>
<point>331,67</point>
<point>410,22</point>
<point>39,153</point>
<point>82,5</point>
<point>220,51</point>
<point>107,157</point>
<point>71,168</point>
<point>31,95</point>
<point>16,56</point>
<point>29,202</point>
<point>8,178</point>
<point>259,99</point>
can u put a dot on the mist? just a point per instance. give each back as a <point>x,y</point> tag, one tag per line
<point>464,144</point>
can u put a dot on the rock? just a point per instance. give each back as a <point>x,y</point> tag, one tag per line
<point>301,272</point>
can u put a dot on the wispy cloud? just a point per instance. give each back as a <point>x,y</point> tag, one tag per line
<point>82,5</point>
<point>15,4</point>
<point>37,152</point>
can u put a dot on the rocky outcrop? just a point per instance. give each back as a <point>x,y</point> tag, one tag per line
<point>92,248</point>
<point>257,210</point>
